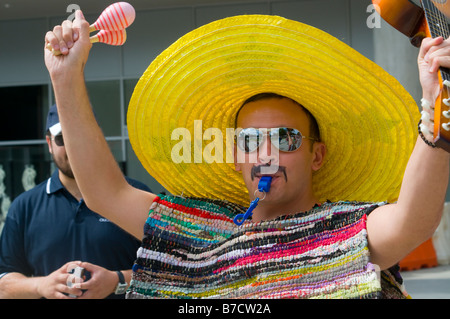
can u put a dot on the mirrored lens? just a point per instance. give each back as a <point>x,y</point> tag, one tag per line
<point>286,139</point>
<point>249,139</point>
<point>59,140</point>
<point>283,138</point>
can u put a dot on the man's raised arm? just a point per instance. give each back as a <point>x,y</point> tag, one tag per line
<point>395,230</point>
<point>100,179</point>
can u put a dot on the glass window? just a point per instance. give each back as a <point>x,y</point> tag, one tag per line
<point>24,110</point>
<point>24,157</point>
<point>105,100</point>
<point>21,168</point>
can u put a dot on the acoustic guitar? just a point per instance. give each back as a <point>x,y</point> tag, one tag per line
<point>429,19</point>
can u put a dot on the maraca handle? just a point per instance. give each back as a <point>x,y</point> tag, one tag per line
<point>58,52</point>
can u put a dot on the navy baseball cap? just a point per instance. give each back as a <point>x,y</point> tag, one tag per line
<point>53,124</point>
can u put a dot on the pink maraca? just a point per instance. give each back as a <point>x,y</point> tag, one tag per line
<point>117,16</point>
<point>110,37</point>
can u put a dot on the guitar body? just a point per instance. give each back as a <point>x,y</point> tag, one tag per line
<point>417,23</point>
<point>404,16</point>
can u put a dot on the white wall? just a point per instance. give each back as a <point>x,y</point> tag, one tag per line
<point>21,42</point>
<point>21,50</point>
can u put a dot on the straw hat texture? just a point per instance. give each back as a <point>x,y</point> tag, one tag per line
<point>366,118</point>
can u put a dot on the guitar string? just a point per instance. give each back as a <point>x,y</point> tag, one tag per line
<point>444,27</point>
<point>438,26</point>
<point>444,30</point>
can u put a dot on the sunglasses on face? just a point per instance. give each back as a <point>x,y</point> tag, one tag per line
<point>58,140</point>
<point>283,138</point>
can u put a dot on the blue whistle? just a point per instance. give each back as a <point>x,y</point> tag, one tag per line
<point>263,186</point>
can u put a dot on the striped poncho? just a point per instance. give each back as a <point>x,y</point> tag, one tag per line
<point>193,249</point>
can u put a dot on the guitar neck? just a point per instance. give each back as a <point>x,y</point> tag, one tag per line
<point>437,22</point>
<point>438,27</point>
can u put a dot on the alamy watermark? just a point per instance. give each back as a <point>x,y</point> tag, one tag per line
<point>71,8</point>
<point>374,19</point>
<point>211,146</point>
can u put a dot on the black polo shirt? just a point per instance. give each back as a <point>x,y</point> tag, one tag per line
<point>47,227</point>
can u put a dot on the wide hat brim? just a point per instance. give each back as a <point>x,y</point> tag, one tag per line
<point>366,118</point>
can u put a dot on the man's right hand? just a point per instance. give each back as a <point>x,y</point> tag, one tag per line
<point>72,40</point>
<point>55,285</point>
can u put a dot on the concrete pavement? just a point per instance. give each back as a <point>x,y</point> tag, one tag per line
<point>428,283</point>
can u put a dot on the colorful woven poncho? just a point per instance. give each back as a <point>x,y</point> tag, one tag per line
<point>192,249</point>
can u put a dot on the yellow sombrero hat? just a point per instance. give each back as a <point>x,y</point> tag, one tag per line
<point>366,118</point>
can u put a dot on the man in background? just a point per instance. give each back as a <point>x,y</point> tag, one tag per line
<point>49,230</point>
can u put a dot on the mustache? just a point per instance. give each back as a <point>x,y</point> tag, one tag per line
<point>257,170</point>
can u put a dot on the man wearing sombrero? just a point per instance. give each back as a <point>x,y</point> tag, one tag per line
<point>345,200</point>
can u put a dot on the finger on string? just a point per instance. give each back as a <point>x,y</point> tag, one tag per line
<point>440,50</point>
<point>429,45</point>
<point>438,62</point>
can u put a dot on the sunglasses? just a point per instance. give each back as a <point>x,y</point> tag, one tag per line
<point>58,140</point>
<point>283,138</point>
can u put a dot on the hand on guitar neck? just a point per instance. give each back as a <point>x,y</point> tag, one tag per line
<point>434,53</point>
<point>427,27</point>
